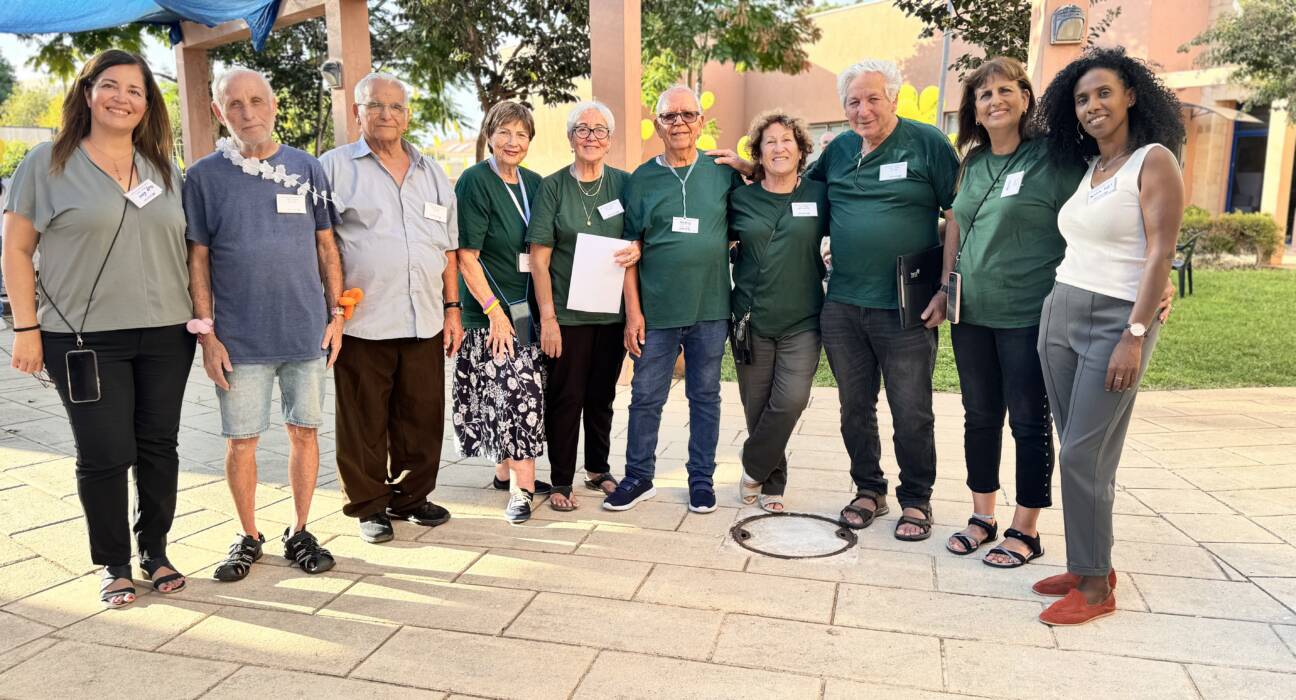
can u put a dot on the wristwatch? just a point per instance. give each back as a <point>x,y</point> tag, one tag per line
<point>1137,330</point>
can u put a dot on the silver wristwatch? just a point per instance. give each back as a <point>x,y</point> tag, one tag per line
<point>1137,330</point>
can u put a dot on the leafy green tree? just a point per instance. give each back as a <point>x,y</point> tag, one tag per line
<point>62,55</point>
<point>32,104</point>
<point>1257,42</point>
<point>11,156</point>
<point>7,79</point>
<point>999,28</point>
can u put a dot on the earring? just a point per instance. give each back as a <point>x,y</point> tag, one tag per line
<point>1079,133</point>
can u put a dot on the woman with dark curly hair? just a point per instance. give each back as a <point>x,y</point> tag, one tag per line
<point>1099,325</point>
<point>778,221</point>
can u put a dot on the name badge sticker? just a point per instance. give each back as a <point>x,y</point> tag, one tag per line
<point>805,209</point>
<point>291,203</point>
<point>143,193</point>
<point>684,224</point>
<point>1102,190</point>
<point>435,212</point>
<point>1013,184</point>
<point>524,262</point>
<point>894,171</point>
<point>611,209</point>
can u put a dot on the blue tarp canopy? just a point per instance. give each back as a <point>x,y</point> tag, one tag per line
<point>49,16</point>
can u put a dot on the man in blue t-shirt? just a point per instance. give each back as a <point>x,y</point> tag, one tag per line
<point>264,274</point>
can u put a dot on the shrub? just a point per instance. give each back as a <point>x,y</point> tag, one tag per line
<point>1231,234</point>
<point>12,154</point>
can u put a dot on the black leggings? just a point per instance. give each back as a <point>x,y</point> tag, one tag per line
<point>142,377</point>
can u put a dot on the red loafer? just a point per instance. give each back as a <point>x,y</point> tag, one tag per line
<point>1062,584</point>
<point>1075,609</point>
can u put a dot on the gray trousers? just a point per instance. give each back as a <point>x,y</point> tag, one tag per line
<point>775,389</point>
<point>1079,331</point>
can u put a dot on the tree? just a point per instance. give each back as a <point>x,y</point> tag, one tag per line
<point>1000,28</point>
<point>1257,43</point>
<point>62,55</point>
<point>502,49</point>
<point>7,79</point>
<point>33,104</point>
<point>681,36</point>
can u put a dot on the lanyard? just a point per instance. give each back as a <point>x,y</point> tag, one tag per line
<point>661,160</point>
<point>524,208</point>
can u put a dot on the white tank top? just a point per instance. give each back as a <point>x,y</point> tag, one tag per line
<point>1103,227</point>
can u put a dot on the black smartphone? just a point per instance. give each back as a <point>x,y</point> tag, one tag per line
<point>521,315</point>
<point>82,376</point>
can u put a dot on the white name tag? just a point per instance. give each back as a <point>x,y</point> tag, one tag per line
<point>1102,190</point>
<point>684,224</point>
<point>435,212</point>
<point>611,209</point>
<point>1013,184</point>
<point>144,193</point>
<point>291,203</point>
<point>894,171</point>
<point>524,262</point>
<point>805,209</point>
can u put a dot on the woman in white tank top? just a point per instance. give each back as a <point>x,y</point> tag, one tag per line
<point>1099,325</point>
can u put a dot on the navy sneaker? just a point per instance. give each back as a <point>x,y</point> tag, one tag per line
<point>702,498</point>
<point>629,492</point>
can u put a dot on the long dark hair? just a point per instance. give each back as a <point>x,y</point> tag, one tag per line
<point>152,136</point>
<point>973,137</point>
<point>1155,116</point>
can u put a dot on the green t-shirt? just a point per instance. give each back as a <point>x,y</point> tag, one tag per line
<point>779,273</point>
<point>561,213</point>
<point>1010,252</point>
<point>489,221</point>
<point>683,277</point>
<point>883,206</point>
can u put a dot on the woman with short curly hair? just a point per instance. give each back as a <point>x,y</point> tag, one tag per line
<point>1099,324</point>
<point>777,222</point>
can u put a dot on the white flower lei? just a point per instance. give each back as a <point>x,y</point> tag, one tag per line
<point>279,174</point>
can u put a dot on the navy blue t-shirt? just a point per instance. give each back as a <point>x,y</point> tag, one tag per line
<point>265,277</point>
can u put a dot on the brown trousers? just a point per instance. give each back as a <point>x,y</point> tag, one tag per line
<point>390,402</point>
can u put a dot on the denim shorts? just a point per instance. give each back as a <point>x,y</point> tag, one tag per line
<point>245,408</point>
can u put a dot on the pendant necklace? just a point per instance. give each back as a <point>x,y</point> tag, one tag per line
<point>598,187</point>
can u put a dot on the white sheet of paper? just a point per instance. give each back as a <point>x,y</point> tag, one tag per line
<point>596,280</point>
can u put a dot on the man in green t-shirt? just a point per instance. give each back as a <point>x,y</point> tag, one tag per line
<point>677,205</point>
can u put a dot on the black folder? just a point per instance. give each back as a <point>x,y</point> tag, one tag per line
<point>918,276</point>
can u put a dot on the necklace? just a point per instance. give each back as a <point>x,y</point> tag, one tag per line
<point>116,171</point>
<point>1102,168</point>
<point>598,187</point>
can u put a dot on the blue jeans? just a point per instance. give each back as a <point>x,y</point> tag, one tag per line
<point>703,344</point>
<point>245,408</point>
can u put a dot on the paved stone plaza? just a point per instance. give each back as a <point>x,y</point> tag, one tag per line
<point>655,602</point>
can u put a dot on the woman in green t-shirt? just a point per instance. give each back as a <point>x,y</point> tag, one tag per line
<point>778,222</point>
<point>498,408</point>
<point>584,347</point>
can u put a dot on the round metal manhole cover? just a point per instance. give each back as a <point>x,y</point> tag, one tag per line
<point>792,535</point>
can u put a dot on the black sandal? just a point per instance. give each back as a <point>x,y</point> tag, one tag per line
<point>565,492</point>
<point>1036,549</point>
<point>541,488</point>
<point>866,516</point>
<point>151,566</point>
<point>110,576</point>
<point>596,484</point>
<point>924,522</point>
<point>971,545</point>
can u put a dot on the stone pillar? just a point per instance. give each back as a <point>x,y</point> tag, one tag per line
<point>347,24</point>
<point>193,72</point>
<point>616,72</point>
<point>1275,196</point>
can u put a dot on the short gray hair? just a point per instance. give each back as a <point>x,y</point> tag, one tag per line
<point>362,86</point>
<point>890,73</point>
<point>222,81</point>
<point>584,106</point>
<point>663,98</point>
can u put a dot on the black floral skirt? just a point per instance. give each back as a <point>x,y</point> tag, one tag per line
<point>498,408</point>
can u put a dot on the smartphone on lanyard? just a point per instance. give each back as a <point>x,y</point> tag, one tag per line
<point>82,376</point>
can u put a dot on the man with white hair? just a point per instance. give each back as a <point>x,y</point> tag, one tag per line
<point>264,275</point>
<point>397,234</point>
<point>677,205</point>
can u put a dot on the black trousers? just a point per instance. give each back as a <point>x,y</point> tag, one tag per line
<point>135,422</point>
<point>999,372</point>
<point>581,388</point>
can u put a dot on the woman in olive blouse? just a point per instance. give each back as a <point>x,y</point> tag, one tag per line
<point>584,348</point>
<point>102,205</point>
<point>777,222</point>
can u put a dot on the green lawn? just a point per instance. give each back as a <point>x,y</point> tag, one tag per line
<point>1239,329</point>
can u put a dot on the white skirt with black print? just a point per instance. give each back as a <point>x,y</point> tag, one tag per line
<point>498,408</point>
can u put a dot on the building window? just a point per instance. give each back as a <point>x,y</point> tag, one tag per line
<point>1068,25</point>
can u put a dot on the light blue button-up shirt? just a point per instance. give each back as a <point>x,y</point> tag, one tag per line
<point>391,247</point>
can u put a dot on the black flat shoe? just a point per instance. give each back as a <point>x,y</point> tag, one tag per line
<point>541,488</point>
<point>428,514</point>
<point>1036,550</point>
<point>151,566</point>
<point>111,574</point>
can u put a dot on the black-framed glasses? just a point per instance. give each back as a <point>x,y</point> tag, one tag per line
<point>396,108</point>
<point>600,133</point>
<point>677,117</point>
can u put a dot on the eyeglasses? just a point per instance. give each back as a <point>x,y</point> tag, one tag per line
<point>600,133</point>
<point>396,108</point>
<point>677,117</point>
